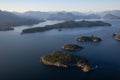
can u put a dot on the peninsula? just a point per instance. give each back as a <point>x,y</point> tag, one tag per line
<point>68,24</point>
<point>64,59</point>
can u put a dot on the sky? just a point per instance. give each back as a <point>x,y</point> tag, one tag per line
<point>59,5</point>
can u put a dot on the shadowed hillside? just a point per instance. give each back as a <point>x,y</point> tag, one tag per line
<point>8,19</point>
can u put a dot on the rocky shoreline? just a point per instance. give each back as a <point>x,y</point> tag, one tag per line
<point>88,38</point>
<point>64,59</point>
<point>117,37</point>
<point>71,47</point>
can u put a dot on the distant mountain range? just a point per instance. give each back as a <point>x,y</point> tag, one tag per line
<point>111,16</point>
<point>69,16</point>
<point>34,17</point>
<point>65,16</point>
<point>113,12</point>
<point>8,19</point>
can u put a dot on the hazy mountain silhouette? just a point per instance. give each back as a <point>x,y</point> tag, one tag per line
<point>110,16</point>
<point>34,17</point>
<point>113,12</point>
<point>8,19</point>
<point>62,15</point>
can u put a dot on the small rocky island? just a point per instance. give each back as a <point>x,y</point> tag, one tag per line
<point>88,38</point>
<point>6,28</point>
<point>64,59</point>
<point>68,24</point>
<point>117,37</point>
<point>71,47</point>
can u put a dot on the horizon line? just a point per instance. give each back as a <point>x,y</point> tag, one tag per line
<point>82,11</point>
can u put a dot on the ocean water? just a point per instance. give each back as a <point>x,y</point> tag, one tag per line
<point>20,54</point>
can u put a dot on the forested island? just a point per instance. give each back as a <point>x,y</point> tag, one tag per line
<point>64,59</point>
<point>68,24</point>
<point>71,47</point>
<point>88,38</point>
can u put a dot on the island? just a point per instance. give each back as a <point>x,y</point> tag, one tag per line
<point>71,47</point>
<point>6,28</point>
<point>64,59</point>
<point>68,24</point>
<point>117,37</point>
<point>88,38</point>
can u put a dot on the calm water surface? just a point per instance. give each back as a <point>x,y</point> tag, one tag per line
<point>20,54</point>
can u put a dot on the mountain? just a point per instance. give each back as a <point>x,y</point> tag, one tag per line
<point>37,15</point>
<point>78,13</point>
<point>62,15</point>
<point>8,19</point>
<point>92,16</point>
<point>113,12</point>
<point>66,16</point>
<point>111,16</point>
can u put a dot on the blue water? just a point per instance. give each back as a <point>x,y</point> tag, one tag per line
<point>20,54</point>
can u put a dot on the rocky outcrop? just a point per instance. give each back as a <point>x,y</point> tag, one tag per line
<point>116,36</point>
<point>113,34</point>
